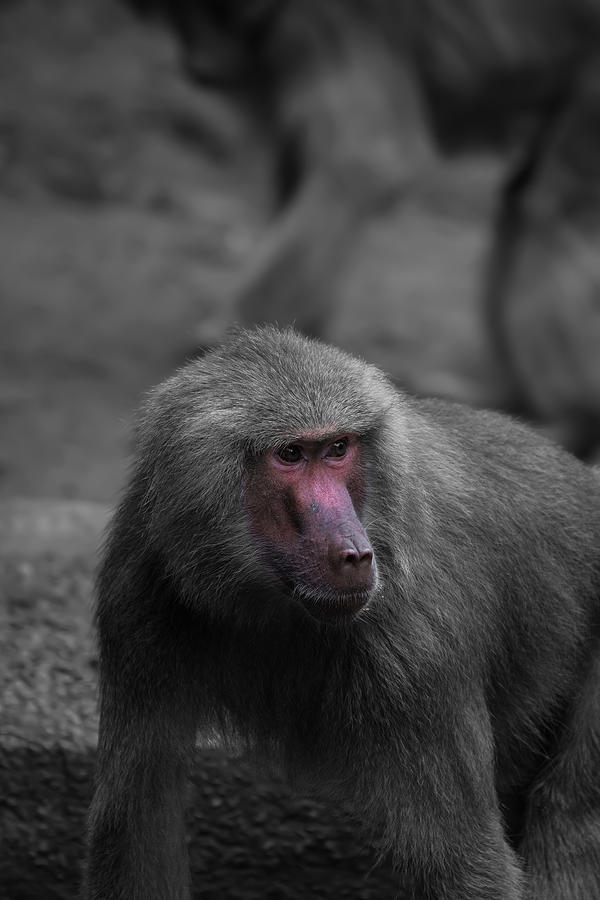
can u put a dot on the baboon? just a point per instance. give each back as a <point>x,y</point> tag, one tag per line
<point>325,80</point>
<point>395,600</point>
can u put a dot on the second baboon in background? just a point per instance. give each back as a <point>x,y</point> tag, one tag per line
<point>326,81</point>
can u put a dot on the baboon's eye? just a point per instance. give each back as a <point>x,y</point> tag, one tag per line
<point>290,454</point>
<point>338,448</point>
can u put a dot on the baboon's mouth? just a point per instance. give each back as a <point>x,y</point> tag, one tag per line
<point>329,606</point>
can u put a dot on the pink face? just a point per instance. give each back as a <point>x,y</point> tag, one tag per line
<point>304,502</point>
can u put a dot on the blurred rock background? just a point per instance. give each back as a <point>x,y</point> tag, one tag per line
<point>129,203</point>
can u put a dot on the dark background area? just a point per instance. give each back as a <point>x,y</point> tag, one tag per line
<point>129,203</point>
